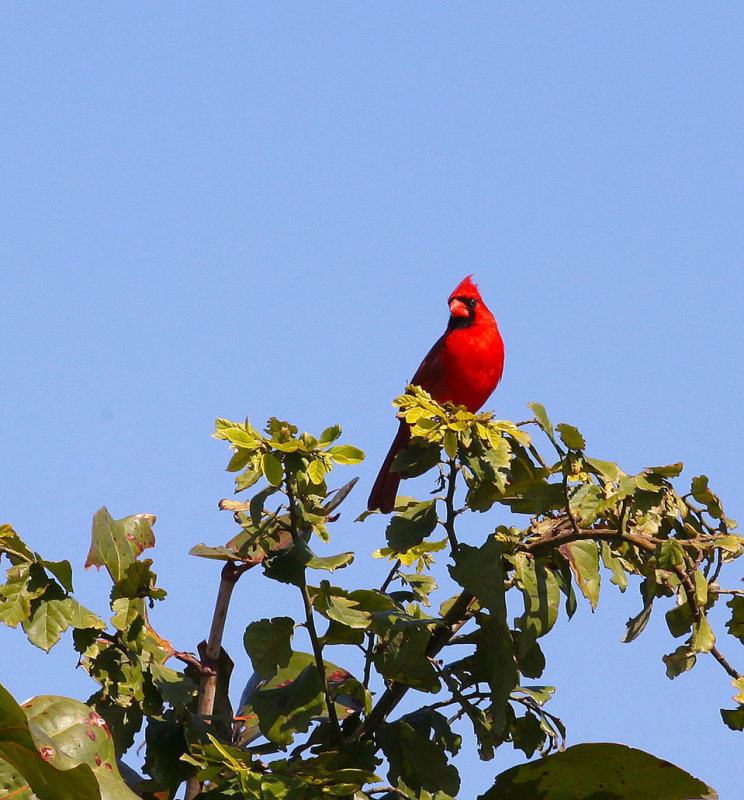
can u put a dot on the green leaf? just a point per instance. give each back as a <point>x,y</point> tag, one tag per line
<point>649,482</point>
<point>329,435</point>
<point>53,617</point>
<point>681,660</point>
<point>571,437</point>
<point>527,734</point>
<point>217,553</point>
<point>671,554</point>
<point>701,588</point>
<point>734,718</point>
<point>80,736</point>
<point>411,527</point>
<point>166,745</point>
<point>635,625</point>
<point>607,469</point>
<point>615,565</point>
<point>246,479</point>
<point>402,658</point>
<point>256,505</point>
<point>736,624</point>
<point>289,709</point>
<point>138,581</point>
<point>115,544</point>
<point>61,570</point>
<point>13,785</point>
<point>240,458</point>
<point>15,606</point>
<point>272,469</point>
<point>593,771</point>
<point>679,620</point>
<point>421,586</point>
<point>450,443</point>
<point>541,594</point>
<point>480,570</point>
<point>702,640</point>
<point>236,434</point>
<point>336,604</point>
<point>542,417</point>
<point>583,558</point>
<point>288,566</point>
<point>268,642</point>
<point>419,457</point>
<point>530,658</point>
<point>495,663</point>
<point>13,546</point>
<point>330,563</point>
<point>435,726</point>
<point>668,471</point>
<point>285,709</point>
<point>415,759</point>
<point>586,502</point>
<point>316,472</point>
<point>46,769</point>
<point>345,454</point>
<point>175,687</point>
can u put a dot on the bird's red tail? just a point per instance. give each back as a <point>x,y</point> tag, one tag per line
<point>384,491</point>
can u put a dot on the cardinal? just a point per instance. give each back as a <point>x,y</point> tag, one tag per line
<point>464,367</point>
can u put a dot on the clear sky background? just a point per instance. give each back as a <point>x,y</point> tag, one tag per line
<point>261,207</point>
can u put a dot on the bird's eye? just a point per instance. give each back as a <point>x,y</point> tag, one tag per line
<point>470,302</point>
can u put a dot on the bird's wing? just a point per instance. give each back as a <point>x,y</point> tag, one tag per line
<point>429,373</point>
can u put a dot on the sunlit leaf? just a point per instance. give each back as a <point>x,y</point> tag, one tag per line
<point>681,660</point>
<point>345,454</point>
<point>583,558</point>
<point>272,469</point>
<point>570,436</point>
<point>593,771</point>
<point>635,625</point>
<point>542,417</point>
<point>703,639</point>
<point>115,544</point>
<point>541,594</point>
<point>49,775</point>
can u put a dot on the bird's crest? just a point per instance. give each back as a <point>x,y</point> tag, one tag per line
<point>466,288</point>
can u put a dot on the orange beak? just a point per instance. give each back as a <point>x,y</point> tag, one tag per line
<point>458,308</point>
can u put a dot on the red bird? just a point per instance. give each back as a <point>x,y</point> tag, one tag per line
<point>464,367</point>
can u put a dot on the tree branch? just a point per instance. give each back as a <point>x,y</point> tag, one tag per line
<point>209,665</point>
<point>649,544</point>
<point>449,523</point>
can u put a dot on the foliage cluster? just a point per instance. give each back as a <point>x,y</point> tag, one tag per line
<point>308,727</point>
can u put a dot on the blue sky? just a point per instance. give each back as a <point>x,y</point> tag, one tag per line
<point>260,208</point>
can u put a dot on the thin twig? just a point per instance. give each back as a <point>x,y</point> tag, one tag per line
<point>370,649</point>
<point>310,619</point>
<point>190,660</point>
<point>391,576</point>
<point>698,615</point>
<point>454,619</point>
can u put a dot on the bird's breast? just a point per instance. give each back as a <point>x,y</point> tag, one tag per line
<point>472,361</point>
